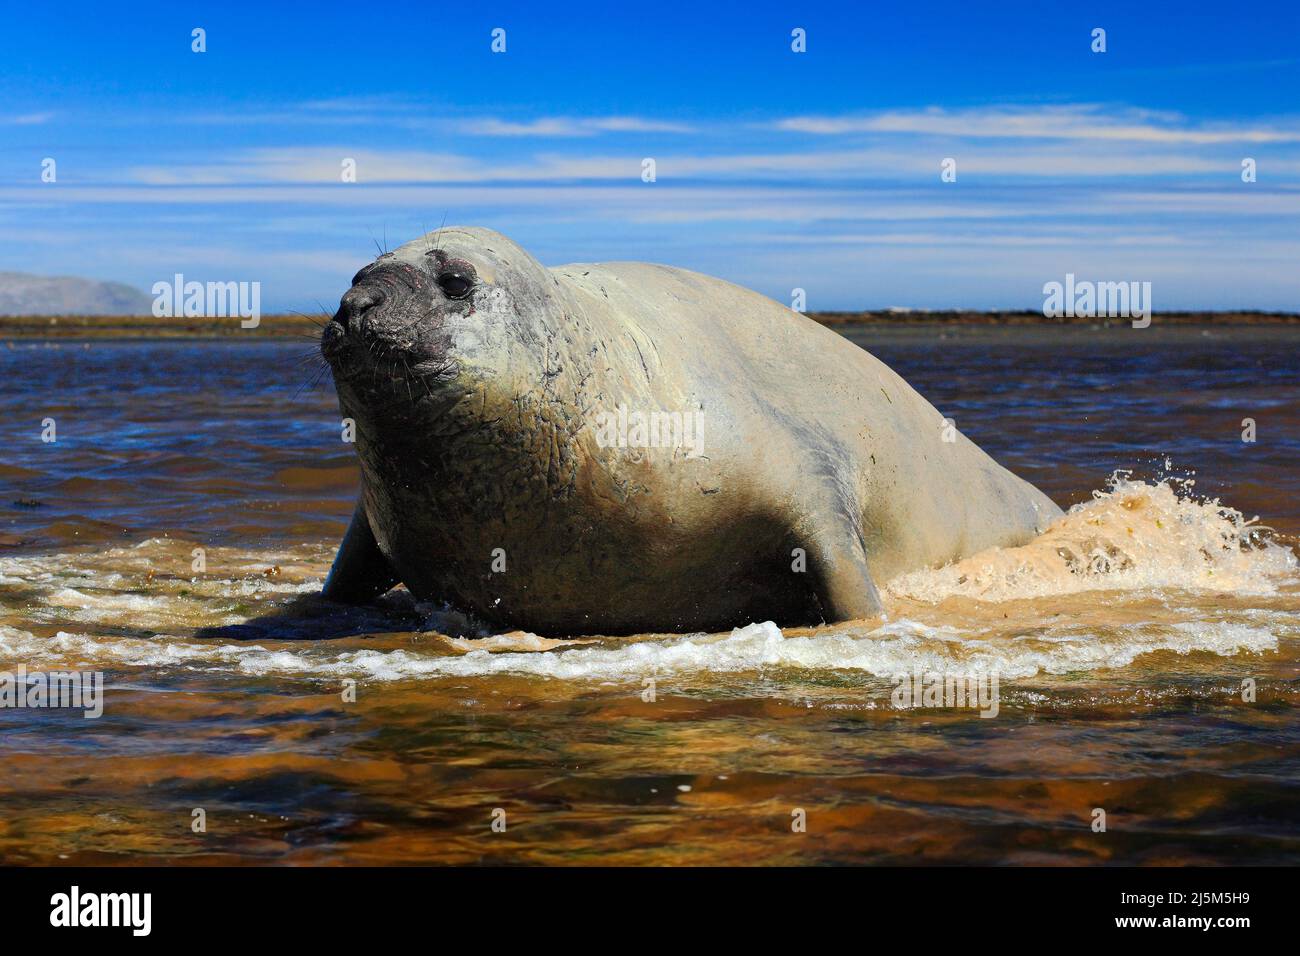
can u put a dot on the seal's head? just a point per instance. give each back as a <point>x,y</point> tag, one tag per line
<point>459,368</point>
<point>428,320</point>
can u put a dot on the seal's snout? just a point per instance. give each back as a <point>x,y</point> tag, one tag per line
<point>389,336</point>
<point>356,302</point>
<point>381,303</point>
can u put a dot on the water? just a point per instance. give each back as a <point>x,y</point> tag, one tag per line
<point>1121,639</point>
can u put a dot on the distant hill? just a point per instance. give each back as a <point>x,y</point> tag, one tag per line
<point>24,294</point>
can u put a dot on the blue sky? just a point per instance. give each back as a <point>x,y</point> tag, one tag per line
<point>777,170</point>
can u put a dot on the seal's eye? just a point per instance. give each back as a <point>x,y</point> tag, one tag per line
<point>455,285</point>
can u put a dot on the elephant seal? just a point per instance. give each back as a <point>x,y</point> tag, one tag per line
<point>512,466</point>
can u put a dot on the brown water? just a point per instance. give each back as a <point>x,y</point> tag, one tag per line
<point>1120,639</point>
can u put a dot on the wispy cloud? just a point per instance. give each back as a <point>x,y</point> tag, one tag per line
<point>897,162</point>
<point>404,114</point>
<point>1072,122</point>
<point>1252,211</point>
<point>357,104</point>
<point>1002,143</point>
<point>562,126</point>
<point>27,119</point>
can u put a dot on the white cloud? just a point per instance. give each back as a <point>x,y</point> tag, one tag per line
<point>404,114</point>
<point>357,104</point>
<point>1074,122</point>
<point>308,165</point>
<point>562,126</point>
<point>27,119</point>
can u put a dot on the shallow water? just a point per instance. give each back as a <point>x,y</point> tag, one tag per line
<point>1120,640</point>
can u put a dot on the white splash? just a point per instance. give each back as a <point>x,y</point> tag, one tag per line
<point>887,651</point>
<point>1132,536</point>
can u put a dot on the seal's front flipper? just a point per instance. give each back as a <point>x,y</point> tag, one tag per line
<point>360,570</point>
<point>844,584</point>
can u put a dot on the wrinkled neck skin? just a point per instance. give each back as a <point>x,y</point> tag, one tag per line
<point>489,444</point>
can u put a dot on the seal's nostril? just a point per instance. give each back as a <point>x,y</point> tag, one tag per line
<point>356,302</point>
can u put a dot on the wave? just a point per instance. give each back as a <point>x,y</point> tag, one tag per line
<point>1182,576</point>
<point>887,651</point>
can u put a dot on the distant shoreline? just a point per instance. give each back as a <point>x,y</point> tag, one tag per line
<point>299,326</point>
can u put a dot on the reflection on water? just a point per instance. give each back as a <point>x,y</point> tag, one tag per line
<point>1121,638</point>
